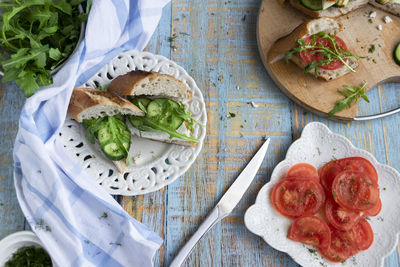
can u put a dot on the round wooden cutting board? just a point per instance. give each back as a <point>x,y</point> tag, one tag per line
<point>276,20</point>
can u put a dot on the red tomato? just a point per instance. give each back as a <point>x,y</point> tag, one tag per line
<point>341,218</point>
<point>363,234</point>
<point>355,191</point>
<point>361,165</point>
<point>343,246</point>
<point>308,56</point>
<point>295,197</point>
<point>374,210</point>
<point>310,230</point>
<point>303,170</point>
<point>329,171</point>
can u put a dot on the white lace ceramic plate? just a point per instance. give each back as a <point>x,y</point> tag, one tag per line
<point>153,164</point>
<point>317,146</point>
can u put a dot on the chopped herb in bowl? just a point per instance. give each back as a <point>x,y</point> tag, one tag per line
<point>29,257</point>
<point>36,37</point>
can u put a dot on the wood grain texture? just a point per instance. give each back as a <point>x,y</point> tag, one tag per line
<point>216,44</point>
<point>11,101</point>
<point>318,95</point>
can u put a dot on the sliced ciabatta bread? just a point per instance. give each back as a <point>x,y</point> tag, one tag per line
<point>332,11</point>
<point>389,6</point>
<point>87,103</point>
<point>139,83</point>
<point>327,25</point>
<point>155,86</point>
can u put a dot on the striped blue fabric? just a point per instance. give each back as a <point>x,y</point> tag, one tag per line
<point>64,206</point>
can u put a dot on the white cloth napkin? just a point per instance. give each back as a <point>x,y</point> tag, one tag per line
<point>79,223</point>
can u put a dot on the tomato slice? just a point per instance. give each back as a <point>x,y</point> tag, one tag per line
<point>308,56</point>
<point>364,235</point>
<point>295,197</point>
<point>355,191</point>
<point>341,218</point>
<point>310,230</point>
<point>375,209</point>
<point>361,165</point>
<point>329,171</point>
<point>303,170</point>
<point>343,246</point>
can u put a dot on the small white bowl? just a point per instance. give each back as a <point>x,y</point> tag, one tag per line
<point>11,243</point>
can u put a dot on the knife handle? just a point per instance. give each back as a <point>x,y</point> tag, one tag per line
<point>212,218</point>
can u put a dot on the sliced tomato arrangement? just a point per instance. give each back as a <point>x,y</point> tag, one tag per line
<point>303,170</point>
<point>355,191</point>
<point>295,197</point>
<point>341,218</point>
<point>310,230</point>
<point>309,56</point>
<point>349,190</point>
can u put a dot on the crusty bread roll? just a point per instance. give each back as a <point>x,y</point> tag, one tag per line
<point>87,103</point>
<point>154,85</point>
<point>136,83</point>
<point>331,12</point>
<point>393,8</point>
<point>328,25</point>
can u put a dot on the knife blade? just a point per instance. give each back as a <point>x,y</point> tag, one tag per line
<point>227,203</point>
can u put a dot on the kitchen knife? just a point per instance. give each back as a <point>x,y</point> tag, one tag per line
<point>227,203</point>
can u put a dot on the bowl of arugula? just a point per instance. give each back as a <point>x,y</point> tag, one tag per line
<point>37,37</point>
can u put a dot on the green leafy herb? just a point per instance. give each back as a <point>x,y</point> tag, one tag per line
<point>29,256</point>
<point>42,226</point>
<point>172,38</point>
<point>36,36</point>
<point>371,48</point>
<point>104,216</point>
<point>165,115</point>
<point>312,251</point>
<point>351,96</point>
<point>329,54</point>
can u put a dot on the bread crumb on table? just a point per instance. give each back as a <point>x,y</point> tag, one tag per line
<point>379,27</point>
<point>387,19</point>
<point>372,14</point>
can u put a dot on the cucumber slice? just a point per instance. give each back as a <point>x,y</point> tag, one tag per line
<point>154,108</point>
<point>104,136</point>
<point>135,121</point>
<point>175,122</point>
<point>312,4</point>
<point>145,101</point>
<point>396,54</point>
<point>113,152</point>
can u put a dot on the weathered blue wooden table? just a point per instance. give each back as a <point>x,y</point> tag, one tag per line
<point>216,43</point>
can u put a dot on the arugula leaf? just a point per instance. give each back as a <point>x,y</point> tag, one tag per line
<point>172,133</point>
<point>35,37</point>
<point>328,54</point>
<point>162,120</point>
<point>55,53</point>
<point>351,97</point>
